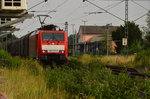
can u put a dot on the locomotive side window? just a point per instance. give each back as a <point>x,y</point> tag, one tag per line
<point>53,36</point>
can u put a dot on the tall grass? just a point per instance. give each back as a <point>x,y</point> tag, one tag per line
<point>92,79</point>
<point>28,82</point>
<point>143,58</point>
<point>23,85</point>
<point>84,77</point>
<point>117,60</point>
<point>25,79</point>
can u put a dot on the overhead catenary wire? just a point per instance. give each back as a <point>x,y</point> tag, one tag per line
<point>78,18</point>
<point>105,10</point>
<point>143,8</point>
<point>37,4</point>
<point>107,7</point>
<point>54,10</point>
<point>48,11</point>
<point>85,15</point>
<point>33,11</point>
<point>59,5</point>
<point>44,11</point>
<point>140,17</point>
<point>116,4</point>
<point>140,5</point>
<point>34,7</point>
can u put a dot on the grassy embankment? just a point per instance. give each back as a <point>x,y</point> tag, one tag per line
<point>139,61</point>
<point>25,79</point>
<point>82,77</point>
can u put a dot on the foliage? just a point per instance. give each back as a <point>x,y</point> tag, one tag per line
<point>5,55</point>
<point>82,77</point>
<point>143,58</point>
<point>118,60</point>
<point>134,34</point>
<point>146,44</point>
<point>90,78</point>
<point>13,63</point>
<point>23,84</point>
<point>136,47</point>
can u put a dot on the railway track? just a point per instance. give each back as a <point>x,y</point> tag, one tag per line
<point>130,71</point>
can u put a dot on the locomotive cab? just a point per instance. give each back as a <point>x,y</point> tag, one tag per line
<point>53,45</point>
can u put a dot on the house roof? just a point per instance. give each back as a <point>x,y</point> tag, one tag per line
<point>96,29</point>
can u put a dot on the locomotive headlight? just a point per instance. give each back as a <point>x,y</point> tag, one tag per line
<point>44,51</point>
<point>61,51</point>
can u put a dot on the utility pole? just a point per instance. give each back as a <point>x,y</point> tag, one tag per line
<point>73,51</point>
<point>84,21</point>
<point>126,25</point>
<point>66,27</point>
<point>76,41</point>
<point>107,39</point>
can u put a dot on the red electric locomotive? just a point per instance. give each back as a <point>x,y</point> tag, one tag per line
<point>46,44</point>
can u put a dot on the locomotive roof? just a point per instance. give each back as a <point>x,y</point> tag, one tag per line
<point>45,27</point>
<point>50,27</point>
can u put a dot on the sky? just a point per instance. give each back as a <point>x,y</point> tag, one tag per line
<point>77,11</point>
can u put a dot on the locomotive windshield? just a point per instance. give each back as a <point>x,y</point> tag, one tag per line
<point>53,36</point>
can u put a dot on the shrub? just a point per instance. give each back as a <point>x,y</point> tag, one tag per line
<point>57,78</point>
<point>4,55</point>
<point>136,47</point>
<point>33,66</point>
<point>88,79</point>
<point>73,63</point>
<point>14,63</point>
<point>143,58</point>
<point>9,61</point>
<point>89,63</point>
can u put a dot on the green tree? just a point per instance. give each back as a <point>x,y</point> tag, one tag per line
<point>134,33</point>
<point>136,47</point>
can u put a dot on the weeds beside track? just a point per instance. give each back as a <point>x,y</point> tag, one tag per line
<point>129,71</point>
<point>84,77</point>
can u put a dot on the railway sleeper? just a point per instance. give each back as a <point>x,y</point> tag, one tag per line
<point>130,71</point>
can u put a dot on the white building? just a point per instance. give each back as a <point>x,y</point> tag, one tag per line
<point>5,20</point>
<point>13,5</point>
